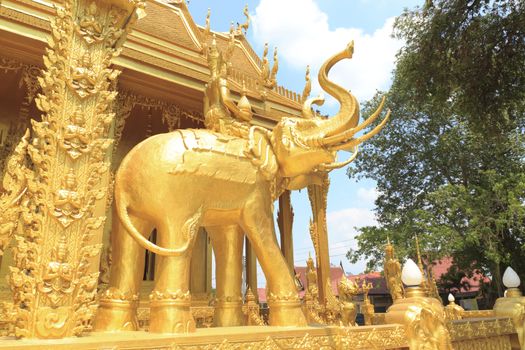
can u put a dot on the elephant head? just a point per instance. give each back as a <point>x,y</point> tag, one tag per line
<point>308,145</point>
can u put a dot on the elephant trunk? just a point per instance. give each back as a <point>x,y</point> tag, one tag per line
<point>337,133</point>
<point>348,115</point>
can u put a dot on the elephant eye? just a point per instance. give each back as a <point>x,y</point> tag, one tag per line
<point>286,141</point>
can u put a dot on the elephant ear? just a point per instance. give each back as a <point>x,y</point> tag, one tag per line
<point>261,153</point>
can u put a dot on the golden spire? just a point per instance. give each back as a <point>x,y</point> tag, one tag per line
<point>307,85</point>
<point>207,26</point>
<point>275,66</point>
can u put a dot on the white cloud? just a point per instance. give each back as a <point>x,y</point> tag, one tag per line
<point>341,224</point>
<point>301,32</point>
<point>367,196</point>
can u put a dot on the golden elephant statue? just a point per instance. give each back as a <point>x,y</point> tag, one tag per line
<point>186,179</point>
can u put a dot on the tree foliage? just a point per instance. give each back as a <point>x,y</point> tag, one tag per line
<point>450,165</point>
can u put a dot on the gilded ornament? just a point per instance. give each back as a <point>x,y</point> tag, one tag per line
<point>392,272</point>
<point>83,77</point>
<point>269,77</point>
<point>347,290</point>
<point>89,27</point>
<point>311,278</point>
<point>14,184</point>
<point>68,200</point>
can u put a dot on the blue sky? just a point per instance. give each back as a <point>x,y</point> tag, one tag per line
<point>307,32</point>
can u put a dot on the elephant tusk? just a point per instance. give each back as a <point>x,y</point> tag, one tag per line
<point>351,132</point>
<point>361,139</point>
<point>337,165</point>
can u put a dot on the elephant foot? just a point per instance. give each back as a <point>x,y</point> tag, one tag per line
<point>228,313</point>
<point>171,315</point>
<point>115,315</point>
<point>286,313</point>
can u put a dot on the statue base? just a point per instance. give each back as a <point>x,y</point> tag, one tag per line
<point>226,338</point>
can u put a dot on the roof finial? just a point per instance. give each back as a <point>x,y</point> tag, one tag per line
<point>207,27</point>
<point>275,67</point>
<point>307,85</point>
<point>243,28</point>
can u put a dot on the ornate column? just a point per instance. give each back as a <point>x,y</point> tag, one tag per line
<point>319,232</point>
<point>56,258</point>
<point>285,222</point>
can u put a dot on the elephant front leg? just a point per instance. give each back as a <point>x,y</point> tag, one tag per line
<point>227,244</point>
<point>170,300</point>
<point>118,305</point>
<point>283,300</point>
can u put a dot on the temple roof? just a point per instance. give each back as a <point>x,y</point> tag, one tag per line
<point>162,56</point>
<point>169,28</point>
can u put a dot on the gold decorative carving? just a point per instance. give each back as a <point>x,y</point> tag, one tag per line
<point>8,64</point>
<point>427,330</point>
<point>269,77</point>
<point>251,309</point>
<point>512,305</point>
<point>14,184</point>
<point>453,311</point>
<point>491,333</point>
<point>478,313</point>
<point>313,310</point>
<point>392,271</point>
<point>347,290</point>
<point>311,278</point>
<point>53,282</point>
<point>17,129</point>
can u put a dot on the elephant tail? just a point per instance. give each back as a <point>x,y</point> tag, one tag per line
<point>189,228</point>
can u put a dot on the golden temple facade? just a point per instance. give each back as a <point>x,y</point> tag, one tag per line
<point>84,83</point>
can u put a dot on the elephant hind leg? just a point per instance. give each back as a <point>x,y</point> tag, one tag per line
<point>170,300</point>
<point>118,305</point>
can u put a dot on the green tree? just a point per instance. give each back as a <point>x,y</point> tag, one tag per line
<point>450,165</point>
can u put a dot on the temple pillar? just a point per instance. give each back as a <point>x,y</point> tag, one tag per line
<point>200,269</point>
<point>56,257</point>
<point>251,268</point>
<point>319,232</point>
<point>285,222</point>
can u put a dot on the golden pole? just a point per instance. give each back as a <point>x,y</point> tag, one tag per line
<point>251,268</point>
<point>56,258</point>
<point>285,221</point>
<point>318,200</point>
